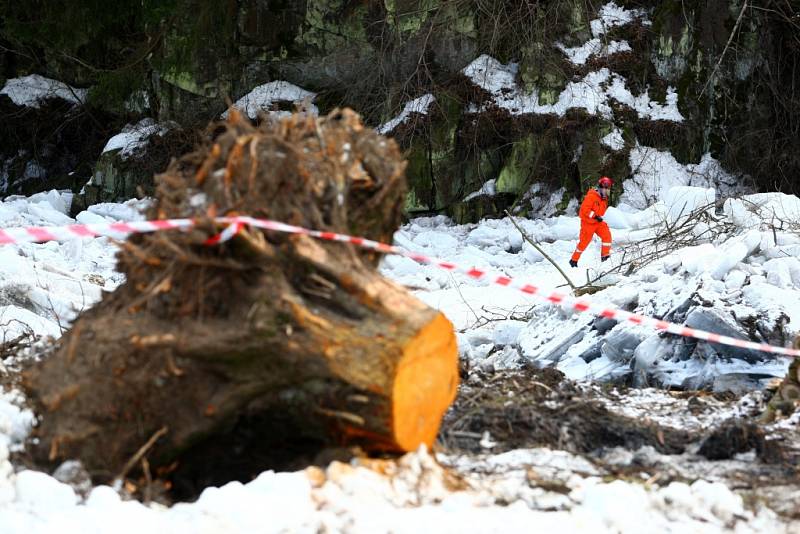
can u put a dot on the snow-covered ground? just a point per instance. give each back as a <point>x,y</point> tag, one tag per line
<point>719,280</point>
<point>752,270</point>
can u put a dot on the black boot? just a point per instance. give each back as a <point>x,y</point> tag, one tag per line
<point>573,263</point>
<point>604,258</point>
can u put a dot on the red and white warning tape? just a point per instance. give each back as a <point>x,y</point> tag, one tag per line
<point>40,234</point>
<point>235,225</point>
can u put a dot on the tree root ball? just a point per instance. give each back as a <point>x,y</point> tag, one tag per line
<point>201,338</point>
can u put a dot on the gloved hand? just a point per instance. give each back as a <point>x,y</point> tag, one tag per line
<point>598,218</point>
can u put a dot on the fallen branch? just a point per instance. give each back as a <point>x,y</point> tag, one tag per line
<point>138,456</point>
<point>537,247</point>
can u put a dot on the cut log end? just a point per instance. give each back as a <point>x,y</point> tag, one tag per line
<point>425,384</point>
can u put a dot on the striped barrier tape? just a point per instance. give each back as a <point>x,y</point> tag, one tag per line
<point>235,225</point>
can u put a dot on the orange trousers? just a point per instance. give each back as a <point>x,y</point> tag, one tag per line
<point>587,232</point>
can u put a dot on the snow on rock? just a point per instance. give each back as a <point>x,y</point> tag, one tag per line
<point>418,105</point>
<point>128,211</point>
<point>134,136</point>
<point>264,97</point>
<point>488,189</point>
<point>543,203</point>
<point>770,302</point>
<point>656,171</point>
<point>646,108</point>
<point>594,47</point>
<point>592,93</point>
<point>34,90</point>
<point>612,15</point>
<point>614,140</point>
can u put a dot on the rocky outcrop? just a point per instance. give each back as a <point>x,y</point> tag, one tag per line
<point>580,89</point>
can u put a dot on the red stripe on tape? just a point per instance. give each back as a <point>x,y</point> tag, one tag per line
<point>6,239</point>
<point>81,230</point>
<point>475,273</point>
<point>40,234</point>
<point>581,306</point>
<point>164,224</point>
<point>527,288</point>
<point>122,227</point>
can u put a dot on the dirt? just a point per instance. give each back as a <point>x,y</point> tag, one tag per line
<point>657,436</point>
<point>539,408</point>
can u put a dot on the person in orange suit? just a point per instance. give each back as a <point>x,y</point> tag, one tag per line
<point>593,208</point>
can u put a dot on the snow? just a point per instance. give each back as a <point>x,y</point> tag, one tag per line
<point>725,270</point>
<point>43,286</point>
<point>594,47</point>
<point>264,97</point>
<point>656,171</point>
<point>614,140</point>
<point>762,209</point>
<point>135,136</point>
<point>418,105</point>
<point>34,90</point>
<point>488,189</point>
<point>592,93</point>
<point>612,15</point>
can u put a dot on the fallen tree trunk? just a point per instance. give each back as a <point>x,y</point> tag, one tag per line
<point>200,336</point>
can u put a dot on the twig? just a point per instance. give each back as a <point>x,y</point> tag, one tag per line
<point>460,294</point>
<point>537,247</point>
<point>730,38</point>
<point>138,456</point>
<point>148,488</point>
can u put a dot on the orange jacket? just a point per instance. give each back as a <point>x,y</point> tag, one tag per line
<point>593,205</point>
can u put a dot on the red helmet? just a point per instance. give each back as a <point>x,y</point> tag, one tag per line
<point>605,181</point>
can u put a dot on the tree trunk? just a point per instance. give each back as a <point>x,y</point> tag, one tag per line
<point>200,336</point>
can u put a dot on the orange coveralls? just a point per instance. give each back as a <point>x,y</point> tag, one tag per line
<point>593,205</point>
